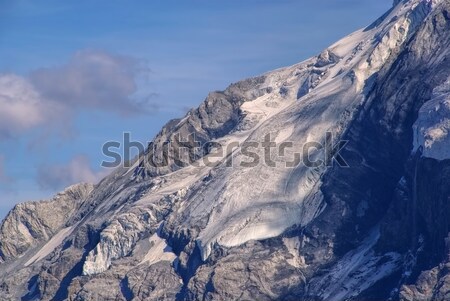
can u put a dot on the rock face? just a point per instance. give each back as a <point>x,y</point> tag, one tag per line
<point>229,225</point>
<point>30,224</point>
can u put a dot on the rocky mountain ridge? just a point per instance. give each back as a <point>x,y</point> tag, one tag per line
<point>376,230</point>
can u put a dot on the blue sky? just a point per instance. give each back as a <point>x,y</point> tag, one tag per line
<point>76,74</point>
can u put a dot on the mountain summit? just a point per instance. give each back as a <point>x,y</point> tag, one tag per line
<point>237,228</point>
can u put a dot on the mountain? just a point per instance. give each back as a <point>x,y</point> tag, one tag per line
<point>369,223</point>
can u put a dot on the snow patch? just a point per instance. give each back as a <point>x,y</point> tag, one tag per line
<point>51,245</point>
<point>284,134</point>
<point>159,251</point>
<point>432,128</point>
<point>293,246</point>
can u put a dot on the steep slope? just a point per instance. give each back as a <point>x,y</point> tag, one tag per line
<point>214,227</point>
<point>31,231</point>
<point>30,224</point>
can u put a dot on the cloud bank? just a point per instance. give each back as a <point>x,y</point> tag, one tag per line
<point>90,80</point>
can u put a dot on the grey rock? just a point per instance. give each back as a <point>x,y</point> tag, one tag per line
<point>29,224</point>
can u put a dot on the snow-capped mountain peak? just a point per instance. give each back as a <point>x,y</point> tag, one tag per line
<point>273,230</point>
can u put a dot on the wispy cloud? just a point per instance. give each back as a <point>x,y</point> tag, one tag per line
<point>21,106</point>
<point>90,80</point>
<point>76,171</point>
<point>93,79</point>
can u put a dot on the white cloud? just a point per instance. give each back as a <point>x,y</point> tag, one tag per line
<point>49,96</point>
<point>76,171</point>
<point>21,106</point>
